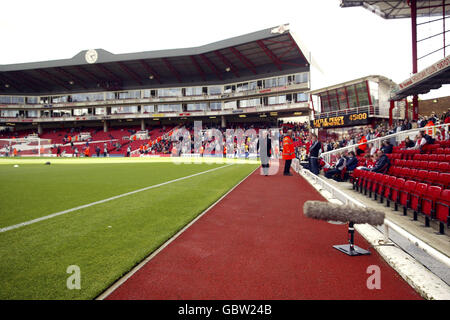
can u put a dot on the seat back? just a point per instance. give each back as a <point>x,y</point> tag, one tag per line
<point>405,192</point>
<point>443,206</point>
<point>433,165</point>
<point>432,177</point>
<point>416,195</point>
<point>389,183</point>
<point>422,175</point>
<point>444,167</point>
<point>428,199</point>
<point>397,187</point>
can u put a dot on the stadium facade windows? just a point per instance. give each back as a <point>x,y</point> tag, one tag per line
<point>148,109</point>
<point>170,108</point>
<point>100,111</point>
<point>80,112</point>
<point>230,104</point>
<point>196,107</point>
<point>124,109</point>
<point>250,103</point>
<point>171,92</point>
<point>194,91</point>
<point>215,105</point>
<point>214,90</point>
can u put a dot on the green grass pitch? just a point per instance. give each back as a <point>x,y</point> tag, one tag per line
<point>105,240</point>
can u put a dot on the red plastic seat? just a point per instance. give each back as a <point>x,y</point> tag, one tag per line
<point>395,192</point>
<point>354,177</point>
<point>376,183</point>
<point>416,198</point>
<point>414,174</point>
<point>432,177</point>
<point>444,167</point>
<point>441,158</point>
<point>424,157</point>
<point>405,194</point>
<point>388,184</point>
<point>440,151</point>
<point>433,165</point>
<point>361,180</point>
<point>422,175</point>
<point>382,186</point>
<point>432,157</point>
<point>443,209</point>
<point>428,201</point>
<point>444,180</point>
<point>369,180</point>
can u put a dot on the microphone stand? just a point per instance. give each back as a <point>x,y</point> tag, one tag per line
<point>350,248</point>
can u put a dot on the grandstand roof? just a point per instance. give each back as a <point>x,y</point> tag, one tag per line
<point>428,79</point>
<point>259,54</point>
<point>376,78</point>
<point>396,9</point>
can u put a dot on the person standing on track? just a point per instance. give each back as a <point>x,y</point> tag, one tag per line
<point>314,154</point>
<point>265,147</point>
<point>288,152</point>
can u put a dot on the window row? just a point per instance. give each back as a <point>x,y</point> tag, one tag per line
<point>185,107</point>
<point>166,92</point>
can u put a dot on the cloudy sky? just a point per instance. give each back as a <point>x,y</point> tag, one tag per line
<point>346,43</point>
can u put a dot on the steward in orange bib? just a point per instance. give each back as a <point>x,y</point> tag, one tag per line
<point>288,152</point>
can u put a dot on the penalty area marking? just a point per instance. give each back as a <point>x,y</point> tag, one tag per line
<point>26,223</point>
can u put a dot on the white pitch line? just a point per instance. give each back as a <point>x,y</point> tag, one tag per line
<point>26,223</point>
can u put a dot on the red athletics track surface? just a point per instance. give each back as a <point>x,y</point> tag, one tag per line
<point>257,244</point>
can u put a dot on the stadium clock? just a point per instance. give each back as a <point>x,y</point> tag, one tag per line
<point>91,56</point>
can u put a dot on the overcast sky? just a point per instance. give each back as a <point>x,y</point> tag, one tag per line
<point>346,43</point>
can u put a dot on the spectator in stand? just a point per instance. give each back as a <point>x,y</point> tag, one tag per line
<point>382,164</point>
<point>409,143</point>
<point>420,141</point>
<point>371,149</point>
<point>363,146</point>
<point>97,151</point>
<point>387,147</point>
<point>352,161</point>
<point>314,154</point>
<point>446,116</point>
<point>335,171</point>
<point>369,162</point>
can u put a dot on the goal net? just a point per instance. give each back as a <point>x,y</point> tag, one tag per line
<point>25,147</point>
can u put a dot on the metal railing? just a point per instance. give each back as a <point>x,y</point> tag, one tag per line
<point>394,138</point>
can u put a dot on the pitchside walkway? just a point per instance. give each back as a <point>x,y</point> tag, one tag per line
<point>257,244</point>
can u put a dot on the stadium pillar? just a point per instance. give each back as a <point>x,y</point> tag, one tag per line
<point>391,107</point>
<point>224,122</point>
<point>415,106</point>
<point>105,126</point>
<point>142,124</point>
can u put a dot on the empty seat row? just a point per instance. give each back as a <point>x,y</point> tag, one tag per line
<point>425,165</point>
<point>429,200</point>
<point>441,179</point>
<point>441,157</point>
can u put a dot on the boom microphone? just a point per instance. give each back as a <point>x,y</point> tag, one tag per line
<point>322,210</point>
